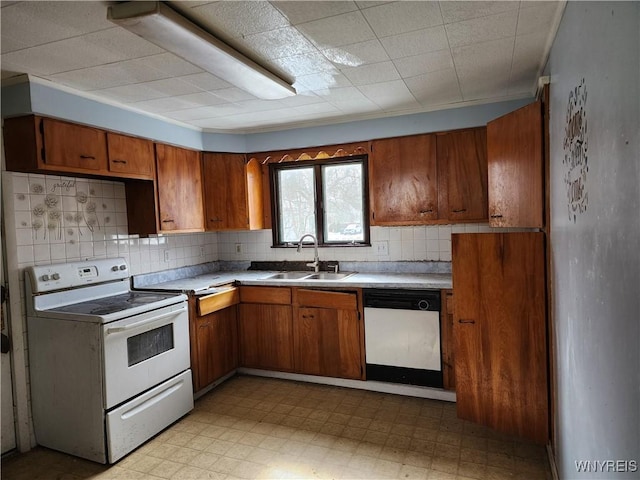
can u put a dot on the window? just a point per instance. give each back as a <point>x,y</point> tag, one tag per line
<point>327,198</point>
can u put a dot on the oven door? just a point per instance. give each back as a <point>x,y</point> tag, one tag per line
<point>144,350</point>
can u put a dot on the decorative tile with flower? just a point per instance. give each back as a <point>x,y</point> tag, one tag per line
<point>47,216</point>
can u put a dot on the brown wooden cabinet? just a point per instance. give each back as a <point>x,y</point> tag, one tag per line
<point>500,332</point>
<point>403,180</point>
<point>446,338</point>
<point>45,145</point>
<point>179,185</point>
<point>233,192</point>
<point>462,175</point>
<point>327,334</point>
<point>214,337</point>
<point>266,328</point>
<point>516,171</point>
<point>130,156</point>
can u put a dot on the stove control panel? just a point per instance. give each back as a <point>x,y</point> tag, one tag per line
<point>59,276</point>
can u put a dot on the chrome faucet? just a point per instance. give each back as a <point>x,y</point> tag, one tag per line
<point>316,261</point>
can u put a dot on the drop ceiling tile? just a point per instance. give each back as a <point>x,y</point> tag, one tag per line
<point>459,11</point>
<point>416,43</point>
<point>149,90</point>
<point>34,23</point>
<point>482,29</point>
<point>373,73</point>
<point>302,98</point>
<point>403,17</point>
<point>283,42</point>
<point>357,106</point>
<point>341,94</point>
<point>179,102</point>
<point>170,64</point>
<point>357,54</point>
<point>320,82</point>
<point>306,64</point>
<point>390,96</point>
<point>90,50</point>
<point>110,75</point>
<point>232,94</point>
<point>425,63</point>
<point>366,4</point>
<point>238,19</point>
<point>336,31</point>
<point>528,61</point>
<point>435,88</point>
<point>301,12</point>
<point>536,17</point>
<point>205,81</point>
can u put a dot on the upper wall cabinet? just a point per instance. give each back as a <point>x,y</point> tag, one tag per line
<point>180,202</point>
<point>45,145</point>
<point>462,175</point>
<point>131,156</point>
<point>233,192</point>
<point>514,144</point>
<point>403,180</point>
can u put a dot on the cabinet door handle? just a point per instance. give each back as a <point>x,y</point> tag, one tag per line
<point>422,212</point>
<point>119,161</point>
<point>466,320</point>
<point>496,216</point>
<point>86,157</point>
<point>460,210</point>
<point>168,221</point>
<point>215,220</point>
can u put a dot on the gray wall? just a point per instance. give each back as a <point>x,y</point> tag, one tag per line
<point>595,217</point>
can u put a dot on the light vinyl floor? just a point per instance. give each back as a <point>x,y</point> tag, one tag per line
<point>262,428</point>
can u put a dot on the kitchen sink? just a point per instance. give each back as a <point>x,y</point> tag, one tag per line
<point>328,276</point>
<point>288,276</point>
<point>309,276</point>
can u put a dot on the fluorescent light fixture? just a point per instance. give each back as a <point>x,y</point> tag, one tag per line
<point>166,28</point>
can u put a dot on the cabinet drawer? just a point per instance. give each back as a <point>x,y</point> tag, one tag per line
<point>218,301</point>
<point>269,295</point>
<point>323,299</point>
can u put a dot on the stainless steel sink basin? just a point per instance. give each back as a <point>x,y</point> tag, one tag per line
<point>329,276</point>
<point>288,276</point>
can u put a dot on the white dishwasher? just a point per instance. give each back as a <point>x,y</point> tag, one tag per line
<point>402,336</point>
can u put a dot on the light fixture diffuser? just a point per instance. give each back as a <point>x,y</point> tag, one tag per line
<point>166,28</point>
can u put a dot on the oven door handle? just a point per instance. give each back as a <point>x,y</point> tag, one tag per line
<point>146,321</point>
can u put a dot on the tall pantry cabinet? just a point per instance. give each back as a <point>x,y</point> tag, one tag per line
<point>500,332</point>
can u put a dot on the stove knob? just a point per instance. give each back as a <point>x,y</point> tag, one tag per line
<point>55,276</point>
<point>114,268</point>
<point>123,267</point>
<point>45,278</point>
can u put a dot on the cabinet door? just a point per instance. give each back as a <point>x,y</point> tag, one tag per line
<point>130,156</point>
<point>500,332</point>
<point>266,336</point>
<point>328,342</point>
<point>403,180</point>
<point>514,146</point>
<point>74,148</point>
<point>217,346</point>
<point>179,189</point>
<point>462,175</point>
<point>225,191</point>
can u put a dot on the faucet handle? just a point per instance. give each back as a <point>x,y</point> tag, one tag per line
<point>335,267</point>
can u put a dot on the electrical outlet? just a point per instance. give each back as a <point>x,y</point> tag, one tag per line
<point>202,250</point>
<point>238,248</point>
<point>166,256</point>
<point>382,248</point>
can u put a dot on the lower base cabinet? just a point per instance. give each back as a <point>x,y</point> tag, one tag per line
<point>217,345</point>
<point>266,336</point>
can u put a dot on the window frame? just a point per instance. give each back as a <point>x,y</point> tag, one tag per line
<point>317,165</point>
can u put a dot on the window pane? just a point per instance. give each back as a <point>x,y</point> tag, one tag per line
<point>296,203</point>
<point>343,195</point>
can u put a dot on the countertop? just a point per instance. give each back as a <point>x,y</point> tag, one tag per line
<point>210,282</point>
